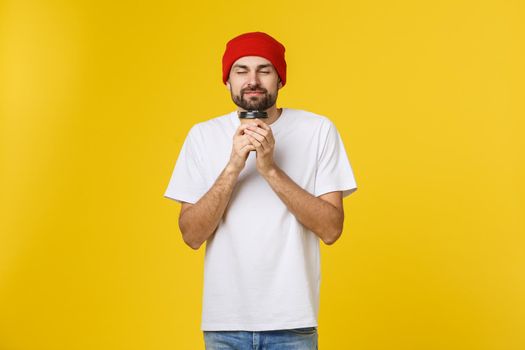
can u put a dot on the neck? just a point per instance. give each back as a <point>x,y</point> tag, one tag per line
<point>273,114</point>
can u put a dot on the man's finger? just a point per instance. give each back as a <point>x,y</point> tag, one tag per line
<point>268,135</point>
<point>258,130</point>
<point>243,141</point>
<point>258,145</point>
<point>259,137</point>
<point>262,124</point>
<point>241,128</point>
<point>248,147</point>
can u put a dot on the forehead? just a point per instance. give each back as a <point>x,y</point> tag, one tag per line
<point>252,61</point>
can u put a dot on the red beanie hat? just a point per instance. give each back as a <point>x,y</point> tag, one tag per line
<point>254,44</point>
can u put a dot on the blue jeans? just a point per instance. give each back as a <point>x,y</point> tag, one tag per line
<point>284,339</point>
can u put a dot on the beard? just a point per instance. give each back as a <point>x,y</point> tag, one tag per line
<point>259,103</point>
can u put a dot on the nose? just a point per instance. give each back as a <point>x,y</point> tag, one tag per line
<point>253,78</point>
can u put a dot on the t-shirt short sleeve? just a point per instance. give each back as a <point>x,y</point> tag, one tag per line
<point>187,183</point>
<point>334,172</point>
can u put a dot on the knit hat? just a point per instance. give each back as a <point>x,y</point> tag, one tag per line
<point>254,44</point>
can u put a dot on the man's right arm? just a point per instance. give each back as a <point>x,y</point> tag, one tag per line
<point>197,222</point>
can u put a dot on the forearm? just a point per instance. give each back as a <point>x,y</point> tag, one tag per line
<point>317,215</point>
<point>199,221</point>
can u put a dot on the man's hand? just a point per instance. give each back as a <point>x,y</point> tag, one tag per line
<point>241,148</point>
<point>261,137</point>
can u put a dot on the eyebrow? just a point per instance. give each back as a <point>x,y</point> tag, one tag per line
<point>242,66</point>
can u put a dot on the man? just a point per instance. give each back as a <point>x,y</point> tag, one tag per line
<point>261,193</point>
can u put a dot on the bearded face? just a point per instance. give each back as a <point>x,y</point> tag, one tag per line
<point>253,83</point>
<point>254,98</point>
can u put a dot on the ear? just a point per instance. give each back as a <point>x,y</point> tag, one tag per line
<point>228,86</point>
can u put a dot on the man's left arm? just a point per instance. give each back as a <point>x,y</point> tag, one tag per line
<point>323,215</point>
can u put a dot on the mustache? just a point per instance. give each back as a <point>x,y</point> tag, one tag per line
<point>255,88</point>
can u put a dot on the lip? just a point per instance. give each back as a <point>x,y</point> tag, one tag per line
<point>253,92</point>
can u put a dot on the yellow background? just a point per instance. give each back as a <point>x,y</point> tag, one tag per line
<point>96,98</point>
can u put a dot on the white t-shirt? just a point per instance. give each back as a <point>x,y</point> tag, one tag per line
<point>262,267</point>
